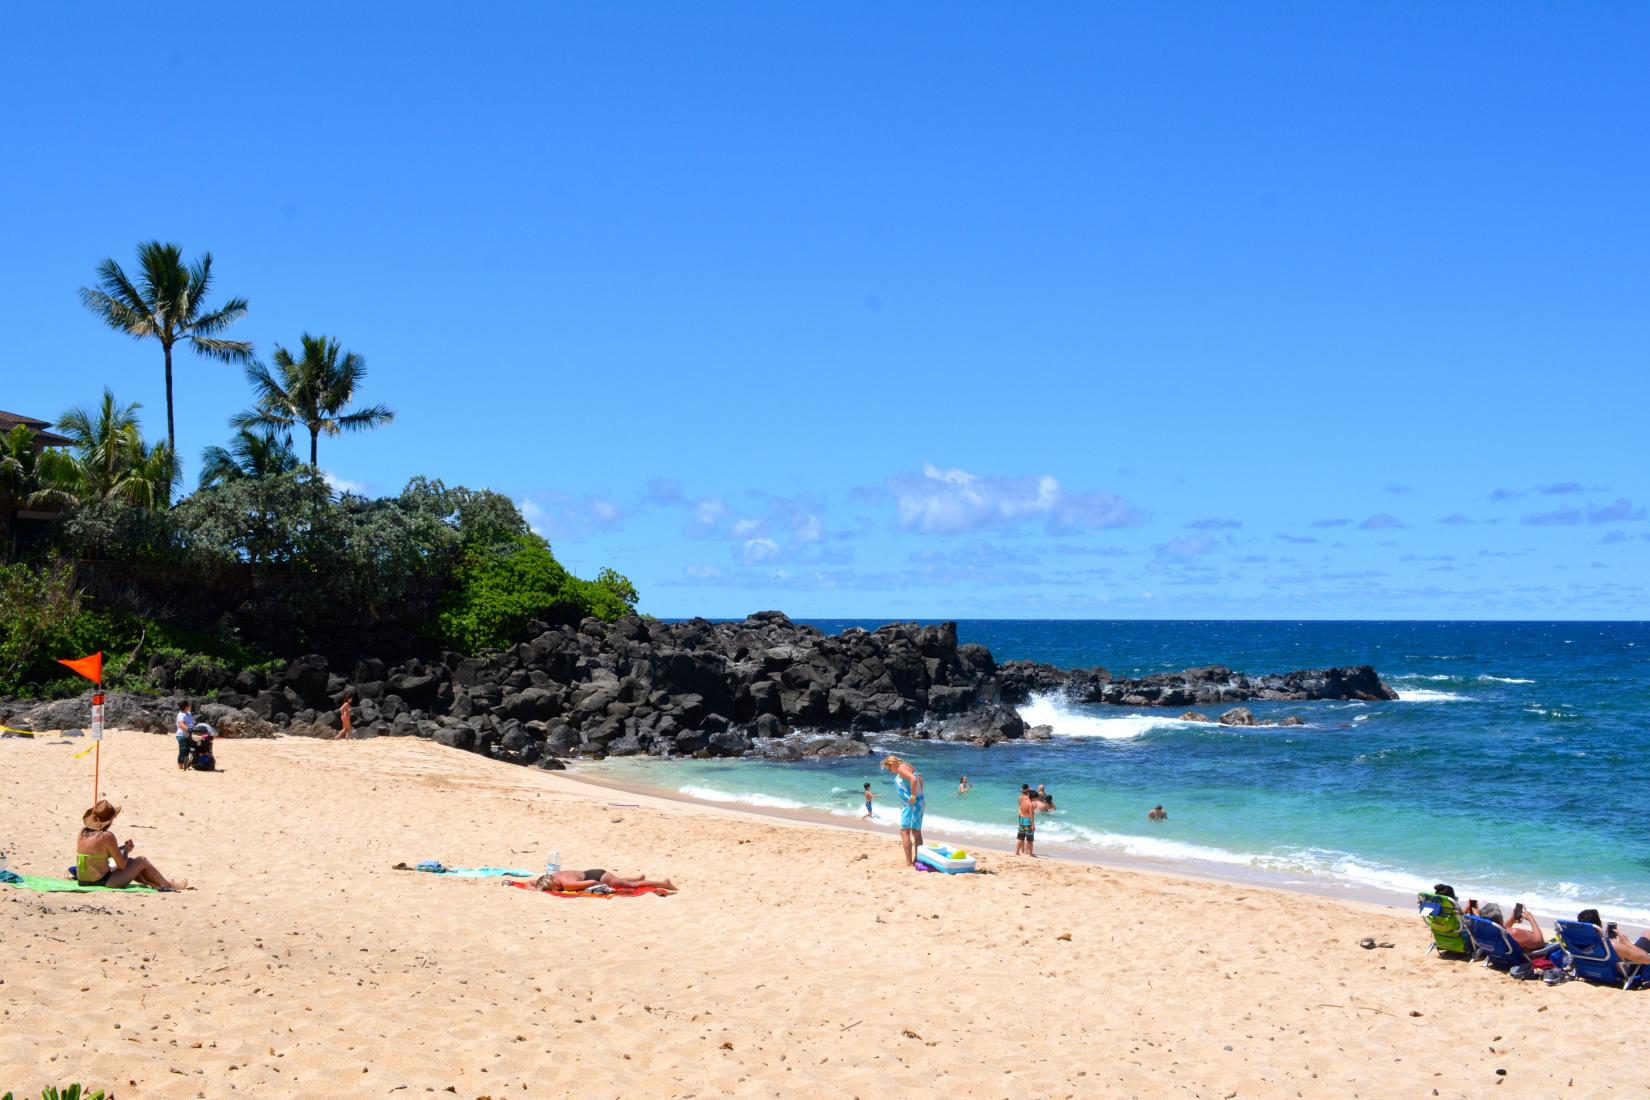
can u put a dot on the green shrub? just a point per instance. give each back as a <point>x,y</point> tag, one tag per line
<point>40,621</point>
<point>497,590</point>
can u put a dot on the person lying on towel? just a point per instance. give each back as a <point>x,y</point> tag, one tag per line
<point>571,882</point>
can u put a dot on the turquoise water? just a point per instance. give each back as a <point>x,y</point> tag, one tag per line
<point>1515,765</point>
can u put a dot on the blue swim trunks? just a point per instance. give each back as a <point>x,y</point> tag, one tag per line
<point>910,816</point>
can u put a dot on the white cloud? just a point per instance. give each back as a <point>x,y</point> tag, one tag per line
<point>343,484</point>
<point>758,550</point>
<point>953,501</point>
<point>556,515</point>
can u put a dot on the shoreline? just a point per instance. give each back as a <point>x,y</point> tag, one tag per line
<point>1370,898</point>
<point>1258,878</point>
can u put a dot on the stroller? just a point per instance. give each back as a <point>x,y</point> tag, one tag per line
<point>200,748</point>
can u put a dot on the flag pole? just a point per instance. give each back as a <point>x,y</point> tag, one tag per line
<point>97,758</point>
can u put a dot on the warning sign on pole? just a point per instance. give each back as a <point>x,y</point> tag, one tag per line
<point>97,717</point>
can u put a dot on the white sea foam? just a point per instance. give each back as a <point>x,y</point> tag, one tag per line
<point>1361,717</point>
<point>1557,899</point>
<point>1504,680</point>
<point>1048,710</point>
<point>748,798</point>
<point>1426,695</point>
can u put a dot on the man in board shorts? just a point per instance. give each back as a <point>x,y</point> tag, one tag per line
<point>1025,840</point>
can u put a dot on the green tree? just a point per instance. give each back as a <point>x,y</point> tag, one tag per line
<point>168,304</point>
<point>311,391</point>
<point>249,456</point>
<point>31,479</point>
<point>284,522</point>
<point>110,459</point>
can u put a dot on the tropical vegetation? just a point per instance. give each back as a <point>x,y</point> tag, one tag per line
<point>264,560</point>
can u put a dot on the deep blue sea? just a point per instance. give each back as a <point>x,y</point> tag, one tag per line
<point>1516,764</point>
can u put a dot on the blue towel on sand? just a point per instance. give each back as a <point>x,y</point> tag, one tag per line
<point>436,867</point>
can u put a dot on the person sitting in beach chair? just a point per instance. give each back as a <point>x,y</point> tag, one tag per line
<point>1443,916</point>
<point>96,848</point>
<point>1515,944</point>
<point>1600,953</point>
<point>1632,951</point>
<point>572,882</point>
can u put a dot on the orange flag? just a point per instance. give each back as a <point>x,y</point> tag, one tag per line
<point>89,667</point>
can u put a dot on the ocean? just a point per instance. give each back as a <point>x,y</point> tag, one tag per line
<point>1515,764</point>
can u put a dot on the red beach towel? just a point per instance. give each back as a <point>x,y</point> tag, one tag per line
<point>618,891</point>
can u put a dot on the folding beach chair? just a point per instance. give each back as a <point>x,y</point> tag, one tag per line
<point>1500,950</point>
<point>1443,918</point>
<point>1595,958</point>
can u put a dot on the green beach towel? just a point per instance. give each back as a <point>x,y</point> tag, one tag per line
<point>41,884</point>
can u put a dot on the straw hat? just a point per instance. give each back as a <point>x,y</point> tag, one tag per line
<point>100,815</point>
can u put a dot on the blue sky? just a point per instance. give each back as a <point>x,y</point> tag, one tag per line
<point>1260,310</point>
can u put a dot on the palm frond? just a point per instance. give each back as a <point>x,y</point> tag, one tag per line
<point>373,416</point>
<point>196,287</point>
<point>220,318</point>
<point>111,278</point>
<point>117,314</point>
<point>218,466</point>
<point>228,351</point>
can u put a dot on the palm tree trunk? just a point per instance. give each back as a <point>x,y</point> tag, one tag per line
<point>171,434</point>
<point>314,434</point>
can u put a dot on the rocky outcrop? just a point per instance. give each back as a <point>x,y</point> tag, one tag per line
<point>696,688</point>
<point>1194,687</point>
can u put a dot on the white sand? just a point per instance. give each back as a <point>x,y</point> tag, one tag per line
<point>799,960</point>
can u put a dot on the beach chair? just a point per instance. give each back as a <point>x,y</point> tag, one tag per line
<point>1443,918</point>
<point>1497,949</point>
<point>1595,958</point>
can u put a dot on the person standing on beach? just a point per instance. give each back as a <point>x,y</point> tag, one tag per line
<point>344,718</point>
<point>869,795</point>
<point>1025,840</point>
<point>185,732</point>
<point>908,787</point>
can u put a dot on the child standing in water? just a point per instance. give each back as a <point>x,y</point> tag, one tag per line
<point>868,797</point>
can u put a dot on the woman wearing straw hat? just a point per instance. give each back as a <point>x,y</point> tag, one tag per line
<point>97,848</point>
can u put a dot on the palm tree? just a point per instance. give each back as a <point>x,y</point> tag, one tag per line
<point>103,443</point>
<point>311,391</point>
<point>31,479</point>
<point>110,460</point>
<point>150,477</point>
<point>167,303</point>
<point>249,456</point>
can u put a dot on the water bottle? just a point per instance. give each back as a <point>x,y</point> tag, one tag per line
<point>554,865</point>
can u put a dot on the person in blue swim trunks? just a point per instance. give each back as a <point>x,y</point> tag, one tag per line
<point>908,789</point>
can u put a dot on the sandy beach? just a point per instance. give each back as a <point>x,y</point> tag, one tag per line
<point>798,960</point>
